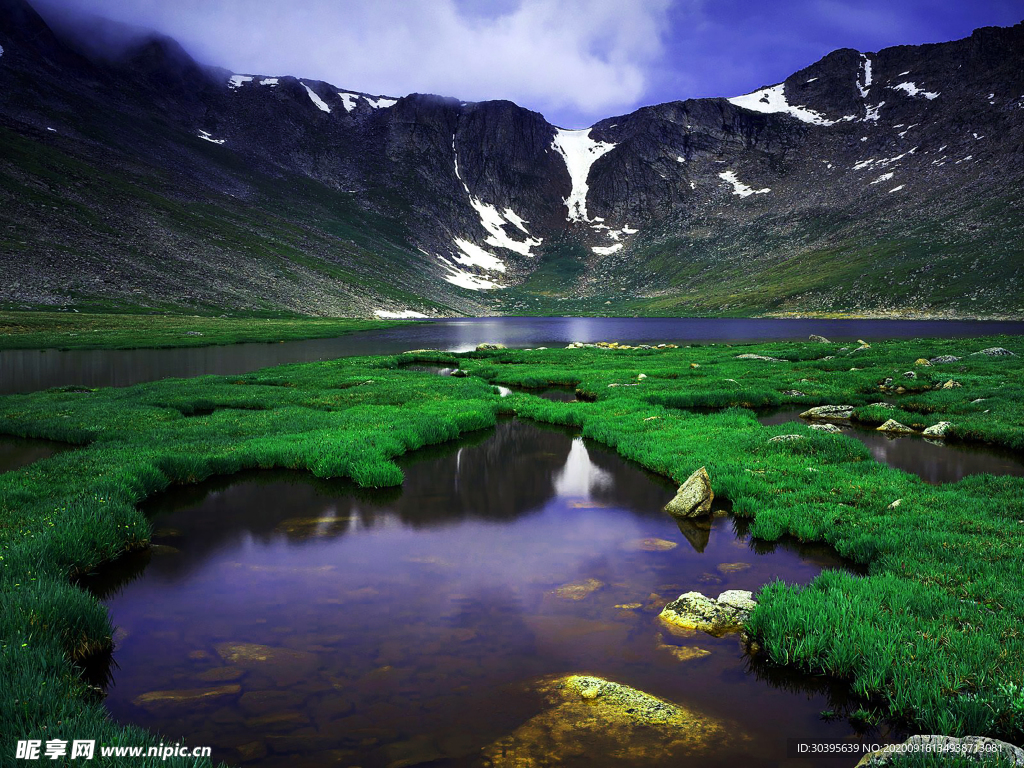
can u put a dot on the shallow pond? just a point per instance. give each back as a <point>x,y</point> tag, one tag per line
<point>934,461</point>
<point>332,626</point>
<point>31,370</point>
<point>17,452</point>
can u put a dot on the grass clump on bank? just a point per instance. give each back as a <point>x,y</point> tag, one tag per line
<point>929,635</point>
<point>80,330</point>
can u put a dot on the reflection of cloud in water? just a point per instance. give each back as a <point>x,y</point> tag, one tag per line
<point>580,476</point>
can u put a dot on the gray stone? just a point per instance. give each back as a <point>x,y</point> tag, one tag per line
<point>694,610</point>
<point>786,438</point>
<point>938,430</point>
<point>945,359</point>
<point>694,497</point>
<point>831,429</point>
<point>749,356</point>
<point>489,347</point>
<point>910,374</point>
<point>827,412</point>
<point>979,749</point>
<point>819,339</point>
<point>995,352</point>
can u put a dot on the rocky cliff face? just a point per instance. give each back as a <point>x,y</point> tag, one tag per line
<point>883,181</point>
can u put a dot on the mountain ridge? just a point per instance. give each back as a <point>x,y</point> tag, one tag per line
<point>219,191</point>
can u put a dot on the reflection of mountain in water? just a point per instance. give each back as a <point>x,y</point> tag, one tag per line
<point>500,476</point>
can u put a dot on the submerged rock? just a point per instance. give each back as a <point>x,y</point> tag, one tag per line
<point>649,545</point>
<point>826,412</point>
<point>938,430</point>
<point>895,427</point>
<point>694,610</point>
<point>694,497</point>
<point>190,696</point>
<point>578,590</point>
<point>620,723</point>
<point>972,749</point>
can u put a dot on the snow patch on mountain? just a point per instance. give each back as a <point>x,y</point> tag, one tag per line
<point>606,250</point>
<point>864,80</point>
<point>494,223</point>
<point>511,215</point>
<point>405,314</point>
<point>475,256</point>
<point>382,102</point>
<point>320,103</point>
<point>464,279</point>
<point>772,100</point>
<point>912,89</point>
<point>206,136</point>
<point>579,152</point>
<point>271,81</point>
<point>871,113</point>
<point>739,188</point>
<point>883,177</point>
<point>237,81</point>
<point>1,50</point>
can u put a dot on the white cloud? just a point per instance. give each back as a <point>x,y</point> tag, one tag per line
<point>584,58</point>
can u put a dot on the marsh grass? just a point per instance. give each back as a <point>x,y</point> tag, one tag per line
<point>86,330</point>
<point>929,634</point>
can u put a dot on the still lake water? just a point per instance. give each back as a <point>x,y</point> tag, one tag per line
<point>332,626</point>
<point>934,461</point>
<point>31,370</point>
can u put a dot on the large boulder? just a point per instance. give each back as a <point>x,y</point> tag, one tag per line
<point>970,749</point>
<point>819,339</point>
<point>938,430</point>
<point>694,497</point>
<point>829,413</point>
<point>694,610</point>
<point>489,347</point>
<point>945,359</point>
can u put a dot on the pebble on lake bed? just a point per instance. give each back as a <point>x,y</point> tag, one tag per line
<point>578,590</point>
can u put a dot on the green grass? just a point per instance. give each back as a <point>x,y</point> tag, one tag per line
<point>80,330</point>
<point>929,635</point>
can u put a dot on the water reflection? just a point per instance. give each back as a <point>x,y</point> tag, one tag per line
<point>16,452</point>
<point>934,461</point>
<point>290,621</point>
<point>31,370</point>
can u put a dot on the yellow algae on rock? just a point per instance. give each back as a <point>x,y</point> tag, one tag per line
<point>578,590</point>
<point>590,715</point>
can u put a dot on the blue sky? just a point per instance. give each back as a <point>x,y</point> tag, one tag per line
<point>576,61</point>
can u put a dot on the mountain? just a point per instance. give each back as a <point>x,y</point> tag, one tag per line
<point>884,182</point>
